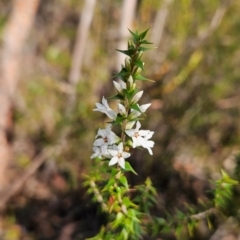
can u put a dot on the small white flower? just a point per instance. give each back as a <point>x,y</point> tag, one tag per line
<point>137,135</point>
<point>136,97</point>
<point>134,113</point>
<point>122,110</point>
<point>104,108</point>
<point>107,138</point>
<point>118,155</point>
<point>120,85</point>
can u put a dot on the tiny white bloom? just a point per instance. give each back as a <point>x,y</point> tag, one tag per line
<point>107,137</point>
<point>136,97</point>
<point>137,135</point>
<point>122,110</point>
<point>118,155</point>
<point>143,108</point>
<point>104,108</point>
<point>120,85</point>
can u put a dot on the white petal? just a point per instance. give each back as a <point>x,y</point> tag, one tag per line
<point>104,148</point>
<point>120,147</point>
<point>144,107</point>
<point>138,125</point>
<point>113,152</point>
<point>98,142</point>
<point>117,86</point>
<point>130,125</point>
<point>143,133</point>
<point>111,114</point>
<point>113,161</point>
<point>149,135</point>
<point>122,110</point>
<point>136,97</point>
<point>126,154</point>
<point>130,132</point>
<point>121,162</point>
<point>150,151</point>
<point>105,103</point>
<point>94,155</point>
<point>148,144</point>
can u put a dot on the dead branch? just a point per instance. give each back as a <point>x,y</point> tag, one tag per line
<point>128,13</point>
<point>18,184</point>
<point>205,214</point>
<point>14,36</point>
<point>159,23</point>
<point>86,16</point>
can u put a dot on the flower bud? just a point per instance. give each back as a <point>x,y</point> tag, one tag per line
<point>136,97</point>
<point>122,110</point>
<point>128,64</point>
<point>130,82</point>
<point>136,70</point>
<point>130,44</point>
<point>120,85</point>
<point>139,54</point>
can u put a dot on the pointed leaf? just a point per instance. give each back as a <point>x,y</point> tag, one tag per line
<point>126,52</point>
<point>135,35</point>
<point>143,34</point>
<point>118,96</point>
<point>129,168</point>
<point>136,107</point>
<point>124,181</point>
<point>141,78</point>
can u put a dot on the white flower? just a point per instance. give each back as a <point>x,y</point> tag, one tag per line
<point>120,85</point>
<point>107,138</point>
<point>134,113</point>
<point>137,135</point>
<point>104,108</point>
<point>118,155</point>
<point>122,110</point>
<point>136,97</point>
<point>148,144</point>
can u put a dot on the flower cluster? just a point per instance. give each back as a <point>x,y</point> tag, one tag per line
<point>107,144</point>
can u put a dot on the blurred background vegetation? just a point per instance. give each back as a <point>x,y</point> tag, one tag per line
<point>195,109</point>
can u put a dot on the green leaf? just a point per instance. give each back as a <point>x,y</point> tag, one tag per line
<point>135,35</point>
<point>118,120</point>
<point>141,78</point>
<point>136,107</point>
<point>129,168</point>
<point>144,49</point>
<point>117,96</point>
<point>145,42</point>
<point>124,181</point>
<point>122,74</point>
<point>143,34</point>
<point>129,93</point>
<point>129,52</point>
<point>139,63</point>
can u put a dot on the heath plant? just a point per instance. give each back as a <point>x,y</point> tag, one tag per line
<point>128,209</point>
